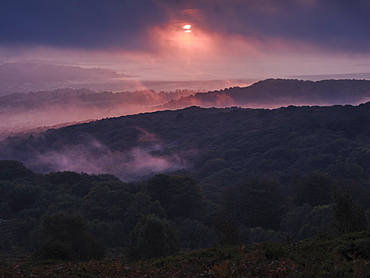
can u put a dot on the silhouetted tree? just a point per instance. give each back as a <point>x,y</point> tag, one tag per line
<point>11,169</point>
<point>179,195</point>
<point>227,231</point>
<point>259,203</point>
<point>65,237</point>
<point>152,237</point>
<point>315,188</point>
<point>349,215</point>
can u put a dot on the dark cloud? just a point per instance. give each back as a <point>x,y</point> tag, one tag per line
<point>78,23</point>
<point>338,24</point>
<point>96,24</point>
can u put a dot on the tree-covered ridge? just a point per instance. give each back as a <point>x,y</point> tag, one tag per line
<point>220,147</point>
<point>281,92</point>
<point>242,176</point>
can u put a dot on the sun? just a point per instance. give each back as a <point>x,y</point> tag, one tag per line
<point>187,28</point>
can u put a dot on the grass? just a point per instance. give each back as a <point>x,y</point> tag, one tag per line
<point>323,256</point>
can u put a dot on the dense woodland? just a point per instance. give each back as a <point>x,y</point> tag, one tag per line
<point>247,176</point>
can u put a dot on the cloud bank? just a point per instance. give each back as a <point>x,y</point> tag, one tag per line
<point>128,25</point>
<point>234,39</point>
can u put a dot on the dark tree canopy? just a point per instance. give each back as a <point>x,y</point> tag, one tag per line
<point>11,169</point>
<point>349,215</point>
<point>153,237</point>
<point>260,203</point>
<point>315,188</point>
<point>180,196</point>
<point>65,237</point>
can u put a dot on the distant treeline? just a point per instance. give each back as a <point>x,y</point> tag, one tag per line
<point>274,93</point>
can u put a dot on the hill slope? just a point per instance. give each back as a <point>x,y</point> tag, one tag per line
<point>23,111</point>
<point>237,174</point>
<point>219,146</point>
<point>273,93</point>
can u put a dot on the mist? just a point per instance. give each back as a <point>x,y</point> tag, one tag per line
<point>21,112</point>
<point>41,110</point>
<point>95,158</point>
<point>32,94</point>
<point>143,160</point>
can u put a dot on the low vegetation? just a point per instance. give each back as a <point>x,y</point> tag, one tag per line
<point>324,256</point>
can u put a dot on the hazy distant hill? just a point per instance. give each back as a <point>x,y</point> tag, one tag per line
<point>273,93</point>
<point>41,75</point>
<point>36,109</point>
<point>23,77</point>
<point>46,108</point>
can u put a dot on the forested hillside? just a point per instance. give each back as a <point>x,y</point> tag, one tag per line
<point>199,177</point>
<point>274,93</point>
<point>219,147</point>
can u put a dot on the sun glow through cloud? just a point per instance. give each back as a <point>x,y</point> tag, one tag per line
<point>177,41</point>
<point>187,28</point>
<point>200,40</point>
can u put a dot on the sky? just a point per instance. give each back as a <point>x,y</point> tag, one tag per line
<point>228,39</point>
